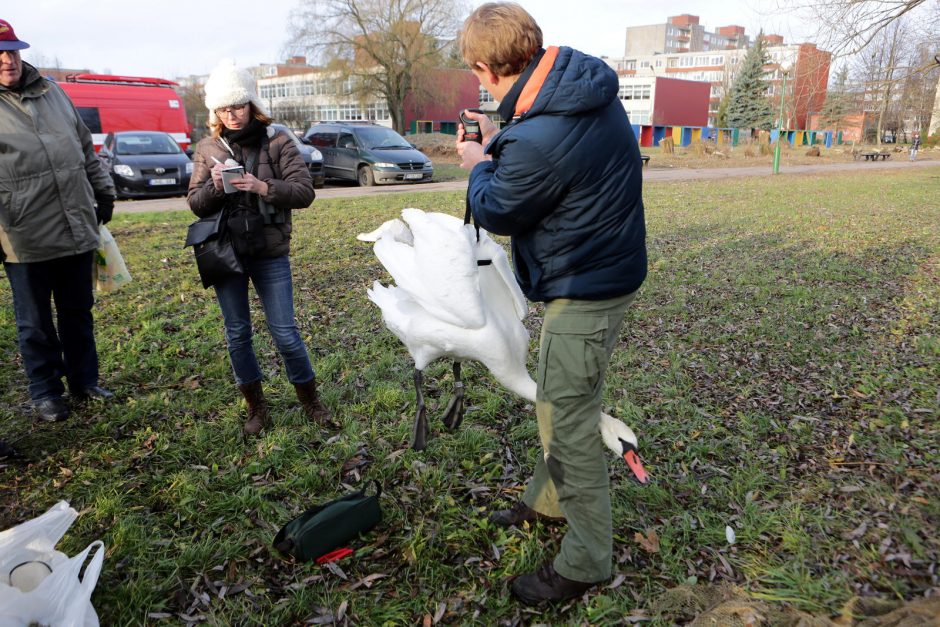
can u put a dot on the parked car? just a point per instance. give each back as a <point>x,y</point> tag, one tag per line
<point>368,153</point>
<point>145,163</point>
<point>312,157</point>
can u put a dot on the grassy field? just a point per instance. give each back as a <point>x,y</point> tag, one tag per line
<point>780,367</point>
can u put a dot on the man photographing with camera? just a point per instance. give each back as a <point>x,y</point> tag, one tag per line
<point>563,179</point>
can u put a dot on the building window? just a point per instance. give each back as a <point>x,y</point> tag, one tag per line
<point>327,113</point>
<point>638,117</point>
<point>634,92</point>
<point>377,111</point>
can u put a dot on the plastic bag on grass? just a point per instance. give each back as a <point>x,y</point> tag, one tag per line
<point>61,597</point>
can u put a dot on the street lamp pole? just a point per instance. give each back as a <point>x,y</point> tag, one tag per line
<point>783,91</point>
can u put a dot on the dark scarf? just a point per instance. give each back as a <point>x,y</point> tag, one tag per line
<point>248,137</point>
<point>243,141</point>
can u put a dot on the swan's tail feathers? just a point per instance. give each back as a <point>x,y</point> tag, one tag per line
<point>439,271</point>
<point>393,229</point>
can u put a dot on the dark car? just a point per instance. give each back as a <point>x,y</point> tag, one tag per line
<point>312,157</point>
<point>145,163</point>
<point>368,153</point>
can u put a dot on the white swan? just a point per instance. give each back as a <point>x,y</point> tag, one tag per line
<point>456,297</point>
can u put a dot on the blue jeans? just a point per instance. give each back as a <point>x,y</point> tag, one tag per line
<point>272,280</point>
<point>51,351</point>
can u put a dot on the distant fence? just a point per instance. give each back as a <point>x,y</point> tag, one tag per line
<point>650,135</point>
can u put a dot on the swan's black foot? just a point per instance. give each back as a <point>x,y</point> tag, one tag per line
<point>453,415</point>
<point>420,436</point>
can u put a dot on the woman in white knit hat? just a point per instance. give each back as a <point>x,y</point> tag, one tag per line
<point>275,182</point>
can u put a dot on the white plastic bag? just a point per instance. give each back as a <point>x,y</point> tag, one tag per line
<point>110,271</point>
<point>63,598</point>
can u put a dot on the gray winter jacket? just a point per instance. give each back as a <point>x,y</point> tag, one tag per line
<point>49,174</point>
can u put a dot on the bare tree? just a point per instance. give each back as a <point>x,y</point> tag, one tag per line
<point>919,89</point>
<point>379,48</point>
<point>292,115</point>
<point>839,102</point>
<point>193,96</point>
<point>883,71</point>
<point>846,27</point>
<point>885,66</point>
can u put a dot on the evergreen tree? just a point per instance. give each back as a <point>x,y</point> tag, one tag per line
<point>838,101</point>
<point>748,106</point>
<point>721,117</point>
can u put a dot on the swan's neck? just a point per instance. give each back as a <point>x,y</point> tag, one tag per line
<point>526,389</point>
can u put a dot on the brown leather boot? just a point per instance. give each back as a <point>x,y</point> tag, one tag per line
<point>545,585</point>
<point>258,417</point>
<point>310,401</point>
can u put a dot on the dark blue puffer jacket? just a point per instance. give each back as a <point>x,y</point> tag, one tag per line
<point>565,183</point>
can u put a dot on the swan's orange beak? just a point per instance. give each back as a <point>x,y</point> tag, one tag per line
<point>633,461</point>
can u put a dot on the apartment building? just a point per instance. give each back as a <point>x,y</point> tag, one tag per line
<point>807,73</point>
<point>682,33</point>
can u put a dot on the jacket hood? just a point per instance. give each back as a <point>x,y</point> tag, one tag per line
<point>577,83</point>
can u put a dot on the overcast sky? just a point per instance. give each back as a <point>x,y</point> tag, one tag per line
<point>182,37</point>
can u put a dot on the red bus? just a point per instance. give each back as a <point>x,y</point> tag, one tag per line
<point>128,103</point>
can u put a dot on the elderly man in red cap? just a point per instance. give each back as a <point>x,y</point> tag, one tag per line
<point>53,195</point>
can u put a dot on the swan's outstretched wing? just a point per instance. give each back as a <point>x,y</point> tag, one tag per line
<point>489,249</point>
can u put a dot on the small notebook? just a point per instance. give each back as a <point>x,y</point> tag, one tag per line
<point>231,173</point>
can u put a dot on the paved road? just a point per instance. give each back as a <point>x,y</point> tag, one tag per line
<point>649,175</point>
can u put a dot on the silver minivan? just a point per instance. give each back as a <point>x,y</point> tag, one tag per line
<point>368,153</point>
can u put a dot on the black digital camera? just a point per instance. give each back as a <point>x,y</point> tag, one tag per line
<point>471,128</point>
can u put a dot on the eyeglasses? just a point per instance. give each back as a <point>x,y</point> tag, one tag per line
<point>231,110</point>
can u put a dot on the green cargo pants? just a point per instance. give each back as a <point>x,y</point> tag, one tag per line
<point>571,478</point>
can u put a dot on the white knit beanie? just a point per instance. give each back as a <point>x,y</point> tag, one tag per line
<point>228,86</point>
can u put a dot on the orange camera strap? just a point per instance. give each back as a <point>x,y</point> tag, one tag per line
<point>535,82</point>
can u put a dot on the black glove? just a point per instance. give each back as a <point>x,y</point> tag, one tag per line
<point>104,208</point>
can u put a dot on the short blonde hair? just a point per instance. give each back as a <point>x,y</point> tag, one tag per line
<point>215,128</point>
<point>502,35</point>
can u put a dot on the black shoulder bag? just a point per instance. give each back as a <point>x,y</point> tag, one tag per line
<point>215,255</point>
